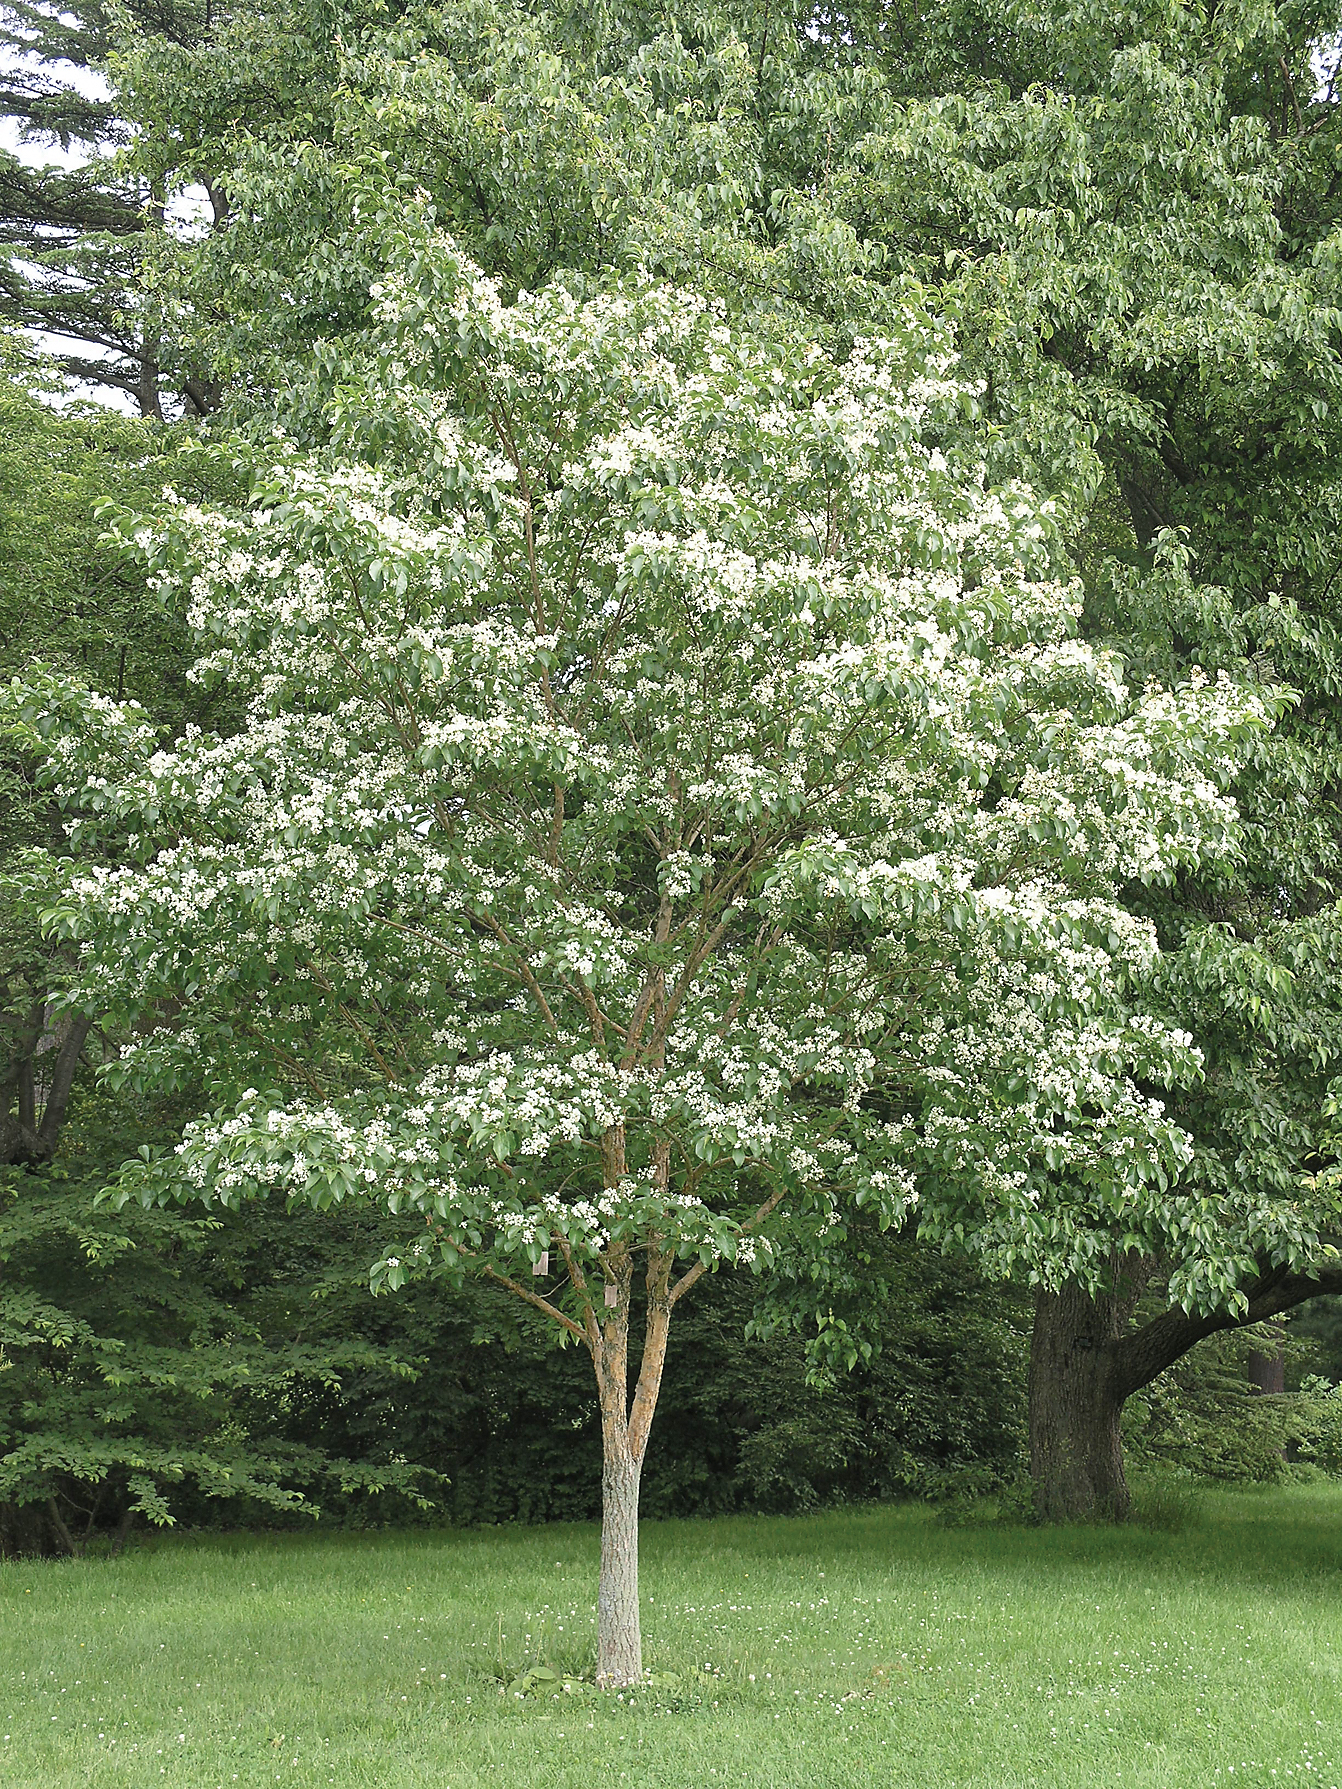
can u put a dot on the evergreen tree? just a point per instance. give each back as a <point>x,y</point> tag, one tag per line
<point>80,239</point>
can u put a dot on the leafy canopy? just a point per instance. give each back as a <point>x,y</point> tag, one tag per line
<point>672,810</point>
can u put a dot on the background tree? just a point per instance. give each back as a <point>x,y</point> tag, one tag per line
<point>70,599</point>
<point>1144,255</point>
<point>1137,234</point>
<point>144,1367</point>
<point>150,1362</point>
<point>81,232</point>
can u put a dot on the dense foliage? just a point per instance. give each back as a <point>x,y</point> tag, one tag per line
<point>143,1362</point>
<point>643,752</point>
<point>152,1365</point>
<point>1135,230</point>
<point>513,1424</point>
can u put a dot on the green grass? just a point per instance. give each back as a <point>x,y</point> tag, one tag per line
<point>862,1648</point>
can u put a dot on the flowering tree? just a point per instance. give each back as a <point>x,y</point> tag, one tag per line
<point>668,811</point>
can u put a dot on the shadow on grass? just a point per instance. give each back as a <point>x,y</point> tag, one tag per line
<point>1273,1535</point>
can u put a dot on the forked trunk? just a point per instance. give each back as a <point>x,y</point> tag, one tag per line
<point>1076,1402</point>
<point>624,1427</point>
<point>619,1636</point>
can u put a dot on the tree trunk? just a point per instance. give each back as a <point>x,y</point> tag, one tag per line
<point>1085,1362</point>
<point>68,1542</point>
<point>122,1530</point>
<point>619,1635</point>
<point>147,390</point>
<point>24,1141</point>
<point>1268,1371</point>
<point>1076,1400</point>
<point>625,1424</point>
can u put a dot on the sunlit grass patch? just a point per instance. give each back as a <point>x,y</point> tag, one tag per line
<point>852,1648</point>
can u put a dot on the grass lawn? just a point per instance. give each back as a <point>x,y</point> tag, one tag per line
<point>871,1647</point>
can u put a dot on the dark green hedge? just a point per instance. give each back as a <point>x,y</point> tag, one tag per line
<point>511,1420</point>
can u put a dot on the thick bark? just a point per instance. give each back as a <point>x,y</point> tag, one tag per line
<point>1076,1447</point>
<point>202,395</point>
<point>1143,511</point>
<point>1085,1363</point>
<point>1267,1370</point>
<point>1167,1338</point>
<point>147,388</point>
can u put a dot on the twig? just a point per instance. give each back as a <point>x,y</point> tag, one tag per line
<point>700,1267</point>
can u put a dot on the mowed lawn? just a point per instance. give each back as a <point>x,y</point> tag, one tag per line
<point>869,1647</point>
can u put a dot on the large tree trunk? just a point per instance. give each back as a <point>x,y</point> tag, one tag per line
<point>1085,1362</point>
<point>1076,1401</point>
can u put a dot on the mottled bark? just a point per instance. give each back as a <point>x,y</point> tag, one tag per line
<point>619,1634</point>
<point>625,1427</point>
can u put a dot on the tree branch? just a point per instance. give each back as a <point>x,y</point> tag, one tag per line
<point>695,1273</point>
<point>534,1298</point>
<point>524,968</point>
<point>1140,1357</point>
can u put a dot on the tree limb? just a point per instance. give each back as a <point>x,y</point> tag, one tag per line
<point>700,1267</point>
<point>1141,1356</point>
<point>534,1298</point>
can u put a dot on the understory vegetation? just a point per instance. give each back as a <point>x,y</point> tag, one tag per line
<point>246,1361</point>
